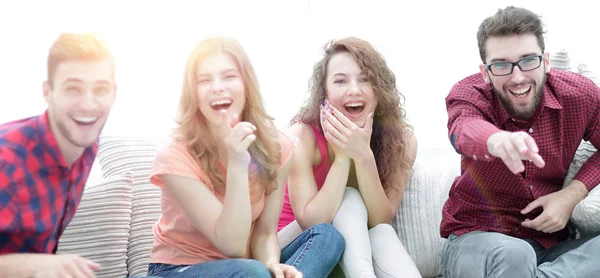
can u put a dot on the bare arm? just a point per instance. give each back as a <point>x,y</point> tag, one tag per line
<point>264,242</point>
<point>28,265</point>
<point>381,208</point>
<point>19,265</point>
<point>226,225</point>
<point>312,206</point>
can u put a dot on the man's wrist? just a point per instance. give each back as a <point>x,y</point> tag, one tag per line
<point>576,190</point>
<point>490,142</point>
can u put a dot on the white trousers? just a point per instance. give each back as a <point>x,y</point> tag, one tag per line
<point>375,252</point>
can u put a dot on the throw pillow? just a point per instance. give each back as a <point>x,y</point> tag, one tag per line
<point>420,213</point>
<point>586,214</point>
<point>99,230</point>
<point>135,155</point>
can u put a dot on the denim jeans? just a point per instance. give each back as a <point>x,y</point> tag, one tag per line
<point>234,268</point>
<point>315,253</point>
<point>489,254</point>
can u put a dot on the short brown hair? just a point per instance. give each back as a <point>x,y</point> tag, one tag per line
<point>70,46</point>
<point>510,21</point>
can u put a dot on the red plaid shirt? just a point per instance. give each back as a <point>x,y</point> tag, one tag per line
<point>487,196</point>
<point>38,192</point>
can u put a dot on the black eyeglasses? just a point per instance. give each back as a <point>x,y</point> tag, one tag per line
<point>526,64</point>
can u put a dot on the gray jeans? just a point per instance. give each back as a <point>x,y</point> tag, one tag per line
<point>488,254</point>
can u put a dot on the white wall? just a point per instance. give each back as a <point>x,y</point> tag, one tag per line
<point>421,40</point>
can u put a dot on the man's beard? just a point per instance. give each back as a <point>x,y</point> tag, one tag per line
<point>512,109</point>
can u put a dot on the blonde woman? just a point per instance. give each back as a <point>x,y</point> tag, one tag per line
<point>222,181</point>
<point>353,160</point>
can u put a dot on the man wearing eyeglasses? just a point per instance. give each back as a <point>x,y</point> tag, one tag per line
<point>517,125</point>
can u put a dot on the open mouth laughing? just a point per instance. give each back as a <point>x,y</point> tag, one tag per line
<point>354,108</point>
<point>221,104</point>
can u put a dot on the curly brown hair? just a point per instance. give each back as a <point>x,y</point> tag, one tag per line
<point>390,129</point>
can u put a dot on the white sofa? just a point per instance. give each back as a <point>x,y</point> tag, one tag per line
<point>113,224</point>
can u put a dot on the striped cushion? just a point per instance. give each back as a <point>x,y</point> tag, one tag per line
<point>99,230</point>
<point>135,155</point>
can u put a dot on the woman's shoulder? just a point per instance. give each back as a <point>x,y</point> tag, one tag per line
<point>305,133</point>
<point>173,146</point>
<point>175,158</point>
<point>287,142</point>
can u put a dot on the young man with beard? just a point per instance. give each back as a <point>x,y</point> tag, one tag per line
<point>517,125</point>
<point>45,160</point>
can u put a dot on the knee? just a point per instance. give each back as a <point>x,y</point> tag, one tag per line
<point>352,193</point>
<point>353,199</point>
<point>252,268</point>
<point>383,233</point>
<point>514,254</point>
<point>331,240</point>
<point>382,229</point>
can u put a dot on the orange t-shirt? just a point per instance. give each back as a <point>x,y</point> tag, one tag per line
<point>176,240</point>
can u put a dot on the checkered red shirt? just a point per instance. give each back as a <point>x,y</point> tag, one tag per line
<point>38,192</point>
<point>487,196</point>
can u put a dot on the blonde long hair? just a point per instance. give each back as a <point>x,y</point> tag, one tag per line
<point>192,127</point>
<point>389,136</point>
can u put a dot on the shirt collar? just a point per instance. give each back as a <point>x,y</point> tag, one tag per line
<point>48,141</point>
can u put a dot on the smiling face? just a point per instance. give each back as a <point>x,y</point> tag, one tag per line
<point>521,91</point>
<point>79,99</point>
<point>221,90</point>
<point>348,88</point>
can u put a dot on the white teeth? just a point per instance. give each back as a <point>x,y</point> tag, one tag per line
<point>220,102</point>
<point>520,91</point>
<point>85,119</point>
<point>355,104</point>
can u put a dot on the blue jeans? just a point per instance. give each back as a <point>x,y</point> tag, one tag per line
<point>489,254</point>
<point>315,253</point>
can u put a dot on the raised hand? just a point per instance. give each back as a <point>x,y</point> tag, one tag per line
<point>512,148</point>
<point>239,137</point>
<point>345,135</point>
